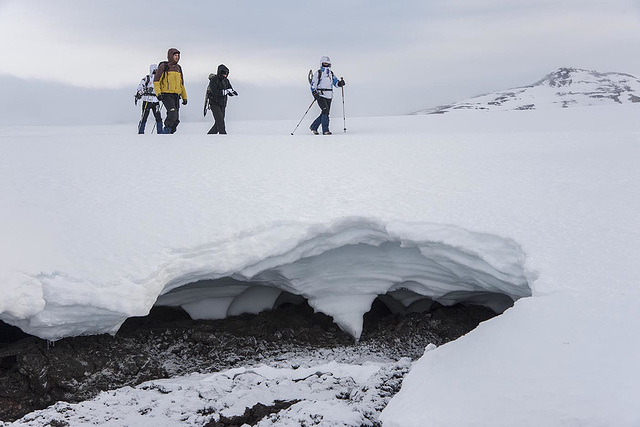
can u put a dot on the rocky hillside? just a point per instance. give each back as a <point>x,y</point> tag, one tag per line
<point>566,87</point>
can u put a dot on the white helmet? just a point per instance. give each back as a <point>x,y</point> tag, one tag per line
<point>325,59</point>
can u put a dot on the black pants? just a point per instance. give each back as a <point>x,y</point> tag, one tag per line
<point>218,115</point>
<point>323,118</point>
<point>154,108</point>
<point>171,102</point>
<point>146,107</point>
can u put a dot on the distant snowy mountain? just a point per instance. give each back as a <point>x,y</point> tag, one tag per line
<point>566,87</point>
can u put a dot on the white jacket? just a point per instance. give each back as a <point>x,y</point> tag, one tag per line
<point>145,88</point>
<point>325,84</point>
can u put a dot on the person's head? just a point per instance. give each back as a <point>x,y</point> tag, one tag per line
<point>325,61</point>
<point>152,69</point>
<point>223,71</point>
<point>173,55</point>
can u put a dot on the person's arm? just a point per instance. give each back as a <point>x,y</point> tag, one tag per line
<point>183,94</point>
<point>141,86</point>
<point>230,91</point>
<point>314,85</point>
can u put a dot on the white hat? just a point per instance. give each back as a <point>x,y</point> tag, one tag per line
<point>325,59</point>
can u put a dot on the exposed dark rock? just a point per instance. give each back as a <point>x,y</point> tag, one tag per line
<point>252,415</point>
<point>10,333</point>
<point>35,373</point>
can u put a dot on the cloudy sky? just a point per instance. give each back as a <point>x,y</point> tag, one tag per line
<point>79,61</point>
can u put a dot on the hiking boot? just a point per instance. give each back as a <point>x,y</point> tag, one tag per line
<point>314,131</point>
<point>327,133</point>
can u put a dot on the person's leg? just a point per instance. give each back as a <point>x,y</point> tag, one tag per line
<point>218,116</point>
<point>222,127</point>
<point>177,122</point>
<point>214,128</point>
<point>145,116</point>
<point>316,124</point>
<point>325,116</point>
<point>155,108</point>
<point>170,101</point>
<point>322,103</point>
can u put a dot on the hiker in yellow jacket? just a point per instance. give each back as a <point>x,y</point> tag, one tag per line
<point>169,87</point>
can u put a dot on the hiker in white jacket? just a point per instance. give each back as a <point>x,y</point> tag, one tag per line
<point>149,101</point>
<point>322,83</point>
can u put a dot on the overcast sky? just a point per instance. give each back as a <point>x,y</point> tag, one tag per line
<point>84,58</point>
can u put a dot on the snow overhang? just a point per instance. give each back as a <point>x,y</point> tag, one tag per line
<point>341,268</point>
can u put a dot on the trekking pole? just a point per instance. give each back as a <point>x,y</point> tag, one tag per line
<point>305,115</point>
<point>344,118</point>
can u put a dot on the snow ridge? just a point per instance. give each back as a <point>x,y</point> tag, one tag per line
<point>563,88</point>
<point>340,267</point>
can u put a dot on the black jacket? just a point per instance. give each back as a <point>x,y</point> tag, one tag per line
<point>218,85</point>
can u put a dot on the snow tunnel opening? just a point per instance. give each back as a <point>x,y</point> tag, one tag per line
<point>343,281</point>
<point>289,319</point>
<point>424,316</point>
<point>239,304</point>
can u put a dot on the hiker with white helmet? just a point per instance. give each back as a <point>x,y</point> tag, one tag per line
<point>149,101</point>
<point>322,84</point>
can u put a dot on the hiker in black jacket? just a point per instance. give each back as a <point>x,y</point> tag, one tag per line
<point>217,91</point>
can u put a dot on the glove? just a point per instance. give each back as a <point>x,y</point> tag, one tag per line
<point>341,82</point>
<point>159,96</point>
<point>315,94</point>
<point>136,98</point>
<point>184,102</point>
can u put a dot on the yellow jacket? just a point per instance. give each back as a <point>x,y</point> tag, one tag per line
<point>169,78</point>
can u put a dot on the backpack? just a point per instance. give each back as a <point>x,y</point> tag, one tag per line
<point>145,92</point>
<point>310,76</point>
<point>164,66</point>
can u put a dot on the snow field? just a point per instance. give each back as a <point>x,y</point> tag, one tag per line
<point>97,225</point>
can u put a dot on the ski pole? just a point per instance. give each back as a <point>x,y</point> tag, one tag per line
<point>344,118</point>
<point>305,115</point>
